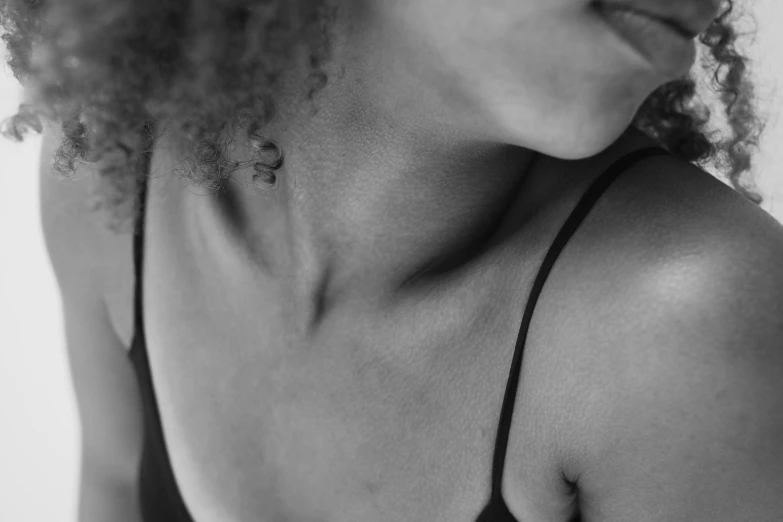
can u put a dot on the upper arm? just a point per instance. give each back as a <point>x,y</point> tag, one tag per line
<point>696,428</point>
<point>106,391</point>
<point>685,422</point>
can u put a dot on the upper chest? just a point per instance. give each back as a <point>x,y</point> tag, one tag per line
<point>384,416</point>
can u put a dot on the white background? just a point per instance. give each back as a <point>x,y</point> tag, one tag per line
<point>39,434</point>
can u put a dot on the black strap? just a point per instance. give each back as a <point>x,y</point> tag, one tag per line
<point>570,226</point>
<point>138,244</point>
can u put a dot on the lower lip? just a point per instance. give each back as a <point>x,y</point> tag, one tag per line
<point>662,46</point>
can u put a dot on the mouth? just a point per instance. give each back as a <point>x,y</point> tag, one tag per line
<point>664,46</point>
<point>681,28</point>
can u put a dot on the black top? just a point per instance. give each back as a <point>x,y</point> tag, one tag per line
<point>160,498</point>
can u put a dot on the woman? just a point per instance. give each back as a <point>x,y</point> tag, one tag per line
<point>347,211</point>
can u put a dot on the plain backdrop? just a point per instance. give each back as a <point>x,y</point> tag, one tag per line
<point>39,435</point>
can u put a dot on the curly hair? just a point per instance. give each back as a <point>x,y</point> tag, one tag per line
<point>112,72</point>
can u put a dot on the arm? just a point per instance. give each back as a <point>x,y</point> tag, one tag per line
<point>106,392</point>
<point>695,430</point>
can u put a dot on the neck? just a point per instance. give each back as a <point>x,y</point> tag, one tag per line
<point>379,185</point>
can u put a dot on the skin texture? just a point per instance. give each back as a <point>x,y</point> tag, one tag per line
<point>407,127</point>
<point>200,66</point>
<point>342,405</point>
<point>421,135</point>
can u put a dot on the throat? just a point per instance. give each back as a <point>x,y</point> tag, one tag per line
<point>327,239</point>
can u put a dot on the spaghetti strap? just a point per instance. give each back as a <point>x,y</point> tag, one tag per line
<point>496,510</point>
<point>138,247</point>
<point>159,498</point>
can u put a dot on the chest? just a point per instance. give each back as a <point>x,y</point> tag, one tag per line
<point>383,416</point>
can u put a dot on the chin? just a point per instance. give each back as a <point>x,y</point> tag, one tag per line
<point>574,138</point>
<point>572,145</point>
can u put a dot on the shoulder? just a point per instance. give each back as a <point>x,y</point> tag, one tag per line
<point>91,259</point>
<point>681,413</point>
<point>675,241</point>
<point>667,232</point>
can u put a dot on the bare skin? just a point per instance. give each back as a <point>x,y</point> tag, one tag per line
<point>302,375</point>
<point>350,422</point>
<point>420,139</point>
